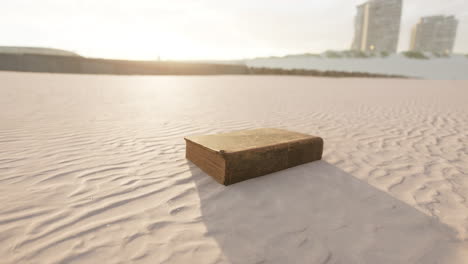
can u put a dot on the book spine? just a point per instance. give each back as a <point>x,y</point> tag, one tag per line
<point>244,165</point>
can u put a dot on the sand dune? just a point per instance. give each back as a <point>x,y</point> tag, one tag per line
<point>92,170</point>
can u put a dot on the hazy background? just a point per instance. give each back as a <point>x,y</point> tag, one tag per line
<point>201,29</point>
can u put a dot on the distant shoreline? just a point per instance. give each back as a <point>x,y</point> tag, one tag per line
<point>82,65</point>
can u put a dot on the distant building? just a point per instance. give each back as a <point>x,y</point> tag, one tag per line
<point>377,26</point>
<point>434,34</point>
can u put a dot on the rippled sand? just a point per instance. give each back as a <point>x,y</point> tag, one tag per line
<point>92,170</point>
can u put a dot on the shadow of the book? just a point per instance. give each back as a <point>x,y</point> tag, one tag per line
<point>317,213</point>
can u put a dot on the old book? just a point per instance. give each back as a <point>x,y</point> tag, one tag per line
<point>238,156</point>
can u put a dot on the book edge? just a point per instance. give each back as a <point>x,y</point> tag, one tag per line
<point>227,152</point>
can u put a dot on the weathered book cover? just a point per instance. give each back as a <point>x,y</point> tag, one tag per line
<point>237,156</point>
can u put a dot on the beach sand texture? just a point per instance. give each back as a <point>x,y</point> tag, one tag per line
<point>93,170</point>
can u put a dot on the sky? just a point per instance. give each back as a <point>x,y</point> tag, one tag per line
<point>201,29</point>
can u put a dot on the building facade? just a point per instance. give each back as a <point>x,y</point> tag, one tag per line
<point>434,34</point>
<point>377,26</point>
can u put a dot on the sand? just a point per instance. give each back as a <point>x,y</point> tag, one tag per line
<point>92,170</point>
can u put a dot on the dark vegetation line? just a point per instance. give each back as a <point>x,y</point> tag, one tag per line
<point>334,74</point>
<point>81,65</point>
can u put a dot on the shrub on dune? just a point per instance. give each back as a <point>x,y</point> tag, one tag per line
<point>415,55</point>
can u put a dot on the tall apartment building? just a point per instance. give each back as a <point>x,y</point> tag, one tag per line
<point>434,34</point>
<point>377,26</point>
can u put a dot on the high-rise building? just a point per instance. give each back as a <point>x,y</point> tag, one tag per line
<point>377,26</point>
<point>434,34</point>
